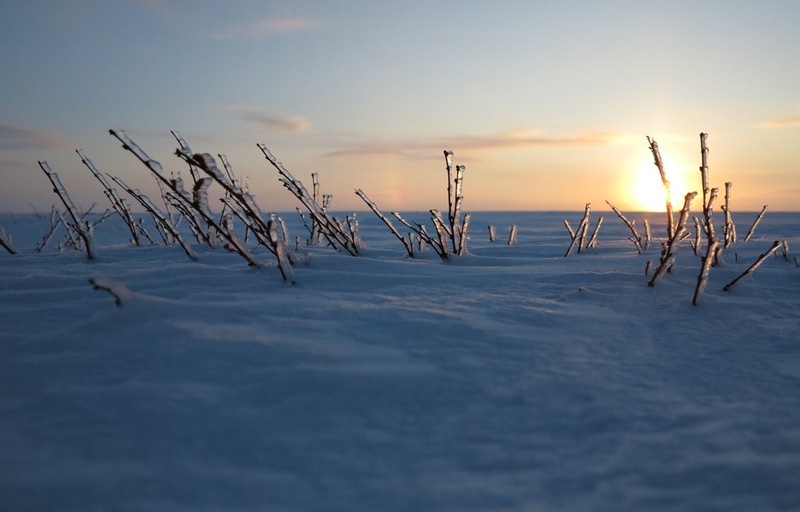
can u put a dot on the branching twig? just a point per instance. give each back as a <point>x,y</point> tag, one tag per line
<point>636,239</point>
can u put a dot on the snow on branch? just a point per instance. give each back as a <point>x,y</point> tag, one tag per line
<point>119,291</point>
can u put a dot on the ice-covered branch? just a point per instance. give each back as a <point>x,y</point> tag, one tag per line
<point>82,228</point>
<point>755,223</point>
<point>636,239</point>
<point>5,242</point>
<point>775,246</point>
<point>119,291</point>
<point>665,182</point>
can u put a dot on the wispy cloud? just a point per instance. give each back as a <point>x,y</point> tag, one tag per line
<point>16,137</point>
<point>269,122</point>
<point>509,140</point>
<point>784,122</point>
<point>266,27</point>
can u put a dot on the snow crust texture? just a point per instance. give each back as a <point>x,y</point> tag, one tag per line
<point>510,379</point>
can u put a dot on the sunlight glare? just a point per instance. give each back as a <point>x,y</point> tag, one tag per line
<point>648,191</point>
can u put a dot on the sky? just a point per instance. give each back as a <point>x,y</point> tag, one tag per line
<point>547,103</point>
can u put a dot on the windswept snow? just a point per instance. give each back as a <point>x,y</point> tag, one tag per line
<point>511,379</point>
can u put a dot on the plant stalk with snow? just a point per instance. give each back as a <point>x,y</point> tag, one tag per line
<point>82,227</point>
<point>755,223</point>
<point>775,246</point>
<point>636,239</point>
<point>665,182</point>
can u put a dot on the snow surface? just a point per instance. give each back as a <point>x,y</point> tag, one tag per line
<point>511,379</point>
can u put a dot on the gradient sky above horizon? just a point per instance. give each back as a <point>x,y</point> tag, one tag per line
<point>547,103</point>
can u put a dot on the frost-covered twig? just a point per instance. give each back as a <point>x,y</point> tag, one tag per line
<point>729,229</point>
<point>82,228</point>
<point>755,223</point>
<point>406,242</point>
<point>636,239</point>
<point>593,239</point>
<point>775,246</point>
<point>705,269</point>
<point>665,182</point>
<point>5,242</point>
<point>55,221</point>
<point>512,235</point>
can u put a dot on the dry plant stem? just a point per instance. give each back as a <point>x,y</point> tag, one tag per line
<point>118,203</point>
<point>406,242</point>
<point>665,182</point>
<point>636,239</point>
<point>5,242</point>
<point>730,230</point>
<point>584,228</point>
<point>647,235</point>
<point>593,239</point>
<point>327,224</point>
<point>512,235</point>
<point>492,233</point>
<point>569,229</point>
<point>424,236</point>
<point>709,196</point>
<point>54,223</point>
<point>668,256</point>
<point>83,228</point>
<point>697,232</point>
<point>755,223</point>
<point>775,246</point>
<point>462,238</point>
<point>164,225</point>
<point>705,269</point>
<point>580,233</point>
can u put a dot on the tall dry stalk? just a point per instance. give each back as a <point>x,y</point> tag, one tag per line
<point>665,182</point>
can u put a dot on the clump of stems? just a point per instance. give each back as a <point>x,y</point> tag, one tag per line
<point>339,234</point>
<point>451,233</point>
<point>669,250</point>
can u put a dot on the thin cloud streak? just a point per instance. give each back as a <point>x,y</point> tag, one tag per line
<point>267,27</point>
<point>511,140</point>
<point>270,122</point>
<point>15,137</point>
<point>785,122</point>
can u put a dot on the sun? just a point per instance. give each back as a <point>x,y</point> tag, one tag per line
<point>648,192</point>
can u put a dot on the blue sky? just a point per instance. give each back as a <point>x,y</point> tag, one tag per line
<point>547,103</point>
